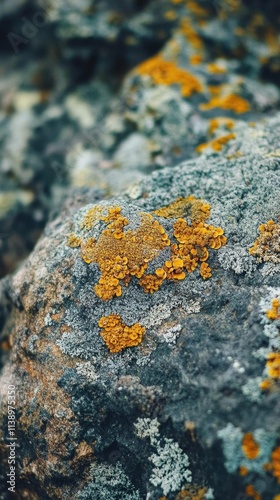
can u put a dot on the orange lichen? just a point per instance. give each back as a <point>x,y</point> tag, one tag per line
<point>267,245</point>
<point>167,73</point>
<point>273,365</point>
<point>190,34</point>
<point>205,271</point>
<point>266,384</point>
<point>216,144</point>
<point>215,68</point>
<point>197,210</point>
<point>117,335</point>
<point>125,253</point>
<point>196,9</point>
<point>73,241</point>
<point>243,471</point>
<point>274,312</point>
<point>251,492</point>
<point>215,123</point>
<point>196,59</point>
<point>274,465</point>
<point>170,15</point>
<point>92,216</point>
<point>249,446</point>
<point>231,102</point>
<point>192,492</point>
<point>120,254</point>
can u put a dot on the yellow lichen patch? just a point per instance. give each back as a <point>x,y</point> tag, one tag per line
<point>117,335</point>
<point>194,239</point>
<point>196,9</point>
<point>215,68</point>
<point>120,254</point>
<point>192,492</point>
<point>216,144</point>
<point>275,463</point>
<point>93,215</point>
<point>274,312</point>
<point>266,384</point>
<point>198,210</point>
<point>276,497</point>
<point>267,245</point>
<point>273,365</point>
<point>170,15</point>
<point>220,121</point>
<point>232,102</point>
<point>151,283</point>
<point>205,271</point>
<point>196,59</point>
<point>250,448</point>
<point>190,34</point>
<point>251,492</point>
<point>243,471</point>
<point>167,73</point>
<point>73,241</point>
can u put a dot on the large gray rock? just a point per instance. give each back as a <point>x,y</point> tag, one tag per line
<point>122,393</point>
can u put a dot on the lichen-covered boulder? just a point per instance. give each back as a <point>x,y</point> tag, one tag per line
<point>142,337</point>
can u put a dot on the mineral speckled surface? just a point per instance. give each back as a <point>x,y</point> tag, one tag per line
<point>140,250</point>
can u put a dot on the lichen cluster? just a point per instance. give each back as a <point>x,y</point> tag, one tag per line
<point>123,254</point>
<point>272,366</point>
<point>230,102</point>
<point>249,446</point>
<point>267,245</point>
<point>216,144</point>
<point>117,335</point>
<point>167,73</point>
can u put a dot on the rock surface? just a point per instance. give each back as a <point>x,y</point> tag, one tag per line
<point>142,333</point>
<point>198,398</point>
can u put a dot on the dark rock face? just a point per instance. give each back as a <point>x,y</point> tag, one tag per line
<point>142,333</point>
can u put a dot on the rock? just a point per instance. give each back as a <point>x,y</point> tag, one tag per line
<point>87,91</point>
<point>124,393</point>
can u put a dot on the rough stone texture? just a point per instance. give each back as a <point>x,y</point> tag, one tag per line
<point>196,376</point>
<point>135,104</point>
<point>84,119</point>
